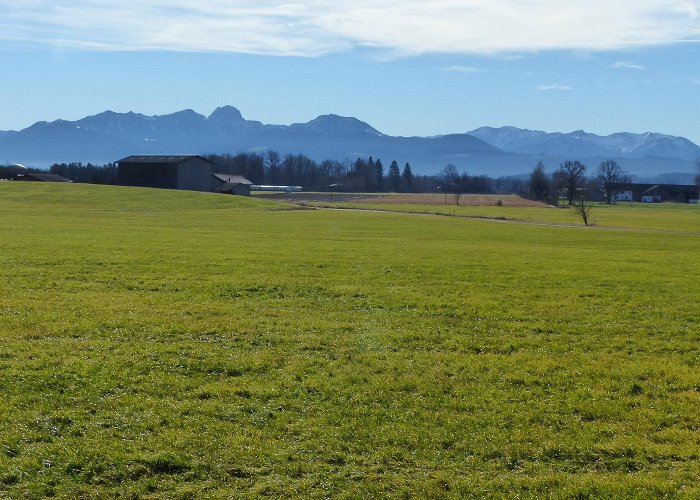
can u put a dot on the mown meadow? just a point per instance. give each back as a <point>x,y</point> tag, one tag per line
<point>183,345</point>
<point>639,216</point>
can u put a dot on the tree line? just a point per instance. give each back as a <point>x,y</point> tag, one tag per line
<point>88,173</point>
<point>570,180</point>
<point>365,175</point>
<point>369,175</point>
<point>271,168</point>
<point>75,171</point>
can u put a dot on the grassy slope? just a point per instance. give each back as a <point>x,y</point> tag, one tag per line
<point>181,344</point>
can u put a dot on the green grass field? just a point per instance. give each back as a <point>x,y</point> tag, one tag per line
<point>640,216</point>
<point>183,345</point>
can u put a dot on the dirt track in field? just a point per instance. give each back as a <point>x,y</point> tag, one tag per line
<point>408,199</point>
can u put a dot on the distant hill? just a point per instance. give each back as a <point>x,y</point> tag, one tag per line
<point>583,144</point>
<point>644,155</point>
<point>109,136</point>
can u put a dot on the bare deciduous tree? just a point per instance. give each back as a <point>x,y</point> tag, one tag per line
<point>610,177</point>
<point>583,208</point>
<point>571,176</point>
<point>449,175</point>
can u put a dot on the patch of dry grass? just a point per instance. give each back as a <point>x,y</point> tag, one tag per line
<point>406,199</point>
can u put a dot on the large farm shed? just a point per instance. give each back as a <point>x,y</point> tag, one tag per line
<point>191,172</point>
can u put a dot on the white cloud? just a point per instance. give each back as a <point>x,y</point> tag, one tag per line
<point>463,69</point>
<point>314,27</point>
<point>690,9</point>
<point>627,65</point>
<point>554,87</point>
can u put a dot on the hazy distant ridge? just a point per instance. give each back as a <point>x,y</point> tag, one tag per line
<point>109,136</point>
<point>580,143</point>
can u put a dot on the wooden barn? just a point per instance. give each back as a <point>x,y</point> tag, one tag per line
<point>190,172</point>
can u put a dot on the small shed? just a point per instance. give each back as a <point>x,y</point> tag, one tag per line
<point>232,184</point>
<point>190,172</point>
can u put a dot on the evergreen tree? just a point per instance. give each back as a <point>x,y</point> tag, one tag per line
<point>394,176</point>
<point>379,175</point>
<point>407,178</point>
<point>358,175</point>
<point>540,187</point>
<point>370,179</point>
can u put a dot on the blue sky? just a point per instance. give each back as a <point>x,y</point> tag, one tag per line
<point>406,67</point>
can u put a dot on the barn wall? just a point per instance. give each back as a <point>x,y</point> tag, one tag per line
<point>195,175</point>
<point>157,175</point>
<point>241,190</point>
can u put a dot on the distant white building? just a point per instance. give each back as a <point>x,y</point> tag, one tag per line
<point>624,196</point>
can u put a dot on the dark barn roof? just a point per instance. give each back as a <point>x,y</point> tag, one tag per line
<point>42,178</point>
<point>234,179</point>
<point>642,187</point>
<point>169,159</point>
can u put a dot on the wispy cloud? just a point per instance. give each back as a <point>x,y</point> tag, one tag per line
<point>627,65</point>
<point>463,69</point>
<point>314,27</point>
<point>553,87</point>
<point>691,9</point>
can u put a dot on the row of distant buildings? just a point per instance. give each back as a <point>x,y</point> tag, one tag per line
<point>656,193</point>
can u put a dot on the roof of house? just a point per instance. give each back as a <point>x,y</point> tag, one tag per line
<point>650,190</point>
<point>640,186</point>
<point>233,179</point>
<point>44,177</point>
<point>161,159</point>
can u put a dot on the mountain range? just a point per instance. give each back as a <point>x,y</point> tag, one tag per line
<point>109,136</point>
